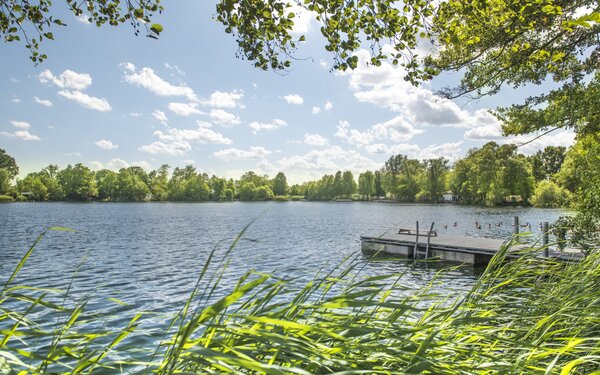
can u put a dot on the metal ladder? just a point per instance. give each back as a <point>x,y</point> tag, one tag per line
<point>418,251</point>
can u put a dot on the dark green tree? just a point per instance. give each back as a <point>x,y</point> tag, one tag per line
<point>280,186</point>
<point>348,184</point>
<point>77,183</point>
<point>106,181</point>
<point>158,183</point>
<point>8,162</point>
<point>366,184</point>
<point>33,187</point>
<point>434,179</point>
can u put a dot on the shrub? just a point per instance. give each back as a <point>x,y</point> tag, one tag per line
<point>548,194</point>
<point>6,198</point>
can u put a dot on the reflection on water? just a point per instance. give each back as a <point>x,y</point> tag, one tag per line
<point>149,255</point>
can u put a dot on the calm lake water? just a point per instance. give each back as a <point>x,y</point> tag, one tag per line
<point>149,255</point>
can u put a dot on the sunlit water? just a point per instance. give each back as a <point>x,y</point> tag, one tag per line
<point>149,255</point>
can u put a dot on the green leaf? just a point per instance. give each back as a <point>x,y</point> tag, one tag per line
<point>156,28</point>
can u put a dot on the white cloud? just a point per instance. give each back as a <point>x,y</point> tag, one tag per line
<point>316,110</point>
<point>451,150</point>
<point>255,152</point>
<point>116,164</point>
<point>485,132</point>
<point>396,130</point>
<point>26,136</point>
<point>106,144</point>
<point>294,99</point>
<point>185,109</point>
<point>20,124</point>
<point>160,116</point>
<point>170,148</point>
<point>44,102</point>
<point>83,18</point>
<point>201,134</point>
<point>146,78</point>
<point>15,100</point>
<point>316,162</point>
<point>136,114</point>
<point>224,118</point>
<point>385,87</point>
<point>303,19</point>
<point>224,99</point>
<point>66,80</point>
<point>564,138</point>
<point>91,102</point>
<point>204,124</point>
<point>315,139</point>
<point>324,64</point>
<point>257,127</point>
<point>95,165</point>
<point>328,106</point>
<point>177,141</point>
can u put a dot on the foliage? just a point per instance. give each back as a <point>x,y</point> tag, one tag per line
<point>366,184</point>
<point>339,322</point>
<point>8,163</point>
<point>32,23</point>
<point>548,194</point>
<point>158,183</point>
<point>401,177</point>
<point>4,180</point>
<point>263,30</point>
<point>131,186</point>
<point>106,181</point>
<point>280,186</point>
<point>490,174</point>
<point>78,183</point>
<point>32,186</point>
<point>546,163</point>
<point>581,231</point>
<point>434,179</point>
<point>6,198</point>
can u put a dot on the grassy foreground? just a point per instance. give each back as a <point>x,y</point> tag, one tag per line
<point>527,316</point>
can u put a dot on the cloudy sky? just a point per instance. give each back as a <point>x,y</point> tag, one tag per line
<point>109,99</point>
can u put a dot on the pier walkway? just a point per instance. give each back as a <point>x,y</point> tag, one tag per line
<point>471,250</point>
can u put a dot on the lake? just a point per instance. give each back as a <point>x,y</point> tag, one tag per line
<point>149,255</point>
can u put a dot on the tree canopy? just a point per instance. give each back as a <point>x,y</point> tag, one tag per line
<point>30,23</point>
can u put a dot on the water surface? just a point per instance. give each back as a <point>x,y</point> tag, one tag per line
<point>149,255</point>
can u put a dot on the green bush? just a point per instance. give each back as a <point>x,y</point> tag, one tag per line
<point>6,198</point>
<point>21,198</point>
<point>281,198</point>
<point>548,195</point>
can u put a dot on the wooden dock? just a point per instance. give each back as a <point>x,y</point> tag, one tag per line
<point>470,250</point>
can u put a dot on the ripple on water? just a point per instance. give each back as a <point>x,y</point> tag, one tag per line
<point>149,255</point>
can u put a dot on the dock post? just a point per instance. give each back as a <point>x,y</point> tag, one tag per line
<point>545,239</point>
<point>515,225</point>
<point>416,242</point>
<point>428,240</point>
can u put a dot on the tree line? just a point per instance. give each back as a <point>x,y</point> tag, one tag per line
<point>491,175</point>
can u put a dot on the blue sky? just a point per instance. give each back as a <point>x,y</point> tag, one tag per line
<point>109,99</point>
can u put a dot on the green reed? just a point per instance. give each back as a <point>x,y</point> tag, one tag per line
<point>527,315</point>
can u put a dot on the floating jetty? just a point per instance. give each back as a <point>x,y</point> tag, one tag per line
<point>415,244</point>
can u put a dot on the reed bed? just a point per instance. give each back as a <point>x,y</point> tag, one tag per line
<point>524,316</point>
